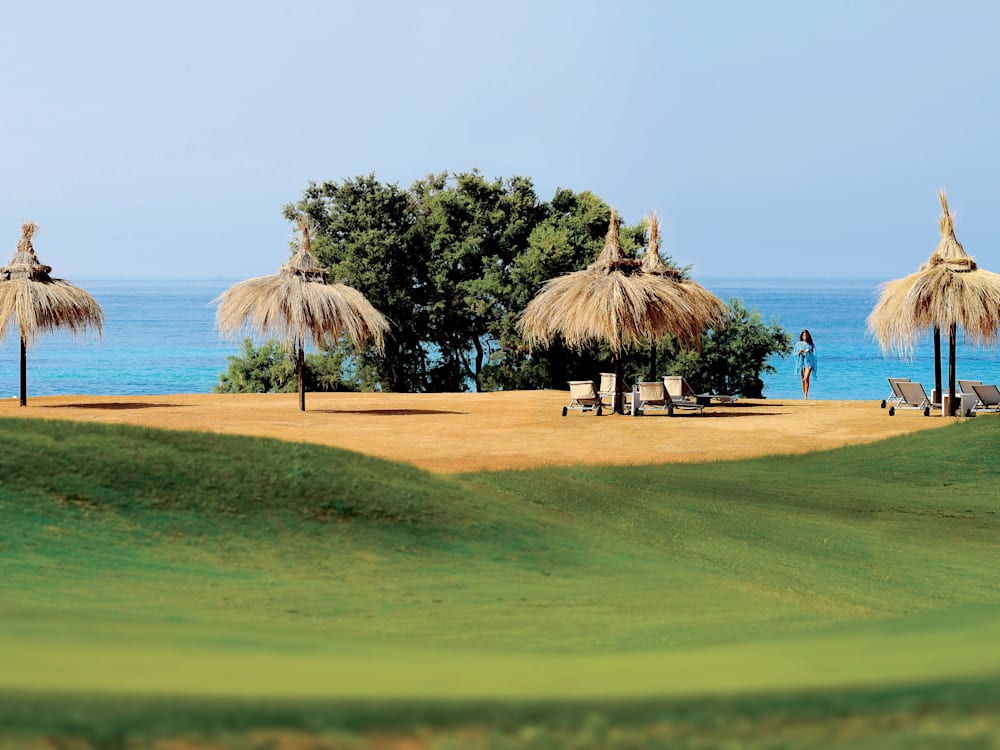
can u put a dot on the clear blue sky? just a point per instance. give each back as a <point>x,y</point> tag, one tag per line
<point>773,138</point>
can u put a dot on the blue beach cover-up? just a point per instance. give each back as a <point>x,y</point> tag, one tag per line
<point>805,357</point>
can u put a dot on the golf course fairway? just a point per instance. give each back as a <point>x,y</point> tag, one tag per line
<point>224,591</point>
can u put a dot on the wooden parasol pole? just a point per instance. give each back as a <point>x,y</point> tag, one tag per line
<point>937,362</point>
<point>24,371</point>
<point>951,370</point>
<point>302,379</point>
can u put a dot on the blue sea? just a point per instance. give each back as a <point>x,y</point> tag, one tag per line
<point>159,338</point>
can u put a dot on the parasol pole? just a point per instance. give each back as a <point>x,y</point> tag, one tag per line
<point>951,370</point>
<point>301,357</point>
<point>937,362</point>
<point>24,371</point>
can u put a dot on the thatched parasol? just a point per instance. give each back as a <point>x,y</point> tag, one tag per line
<point>297,304</point>
<point>612,301</point>
<point>948,291</point>
<point>36,303</point>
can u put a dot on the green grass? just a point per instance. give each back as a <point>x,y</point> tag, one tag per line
<point>158,584</point>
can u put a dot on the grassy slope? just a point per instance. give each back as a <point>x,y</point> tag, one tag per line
<point>135,560</point>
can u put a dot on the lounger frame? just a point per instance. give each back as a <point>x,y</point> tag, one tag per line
<point>988,398</point>
<point>895,397</point>
<point>654,396</point>
<point>680,390</point>
<point>584,396</point>
<point>913,397</point>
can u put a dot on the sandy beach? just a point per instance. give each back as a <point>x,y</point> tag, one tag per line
<point>448,432</point>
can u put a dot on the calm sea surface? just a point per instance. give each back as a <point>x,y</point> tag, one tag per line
<point>159,338</point>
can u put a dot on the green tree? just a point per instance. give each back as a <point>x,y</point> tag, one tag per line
<point>270,368</point>
<point>472,229</point>
<point>263,369</point>
<point>732,358</point>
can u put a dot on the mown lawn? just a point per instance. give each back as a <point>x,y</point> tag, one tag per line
<point>238,592</point>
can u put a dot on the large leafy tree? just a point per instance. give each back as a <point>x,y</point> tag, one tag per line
<point>472,229</point>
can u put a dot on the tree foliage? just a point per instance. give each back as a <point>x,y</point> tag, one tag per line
<point>270,368</point>
<point>733,357</point>
<point>452,261</point>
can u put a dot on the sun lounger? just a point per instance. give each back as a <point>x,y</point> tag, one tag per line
<point>894,396</point>
<point>679,390</point>
<point>989,398</point>
<point>583,396</point>
<point>965,386</point>
<point>653,396</point>
<point>913,396</point>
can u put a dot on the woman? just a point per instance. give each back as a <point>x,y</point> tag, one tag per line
<point>805,360</point>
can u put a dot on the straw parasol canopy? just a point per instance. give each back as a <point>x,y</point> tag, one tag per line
<point>948,292</point>
<point>612,301</point>
<point>36,303</point>
<point>300,304</point>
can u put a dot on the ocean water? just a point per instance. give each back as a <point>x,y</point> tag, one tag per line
<point>159,338</point>
<point>850,364</point>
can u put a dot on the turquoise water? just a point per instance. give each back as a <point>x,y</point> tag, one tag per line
<point>159,338</point>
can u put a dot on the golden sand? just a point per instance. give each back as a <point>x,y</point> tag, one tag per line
<point>448,432</point>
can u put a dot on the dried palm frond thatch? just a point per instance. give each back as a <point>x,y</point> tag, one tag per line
<point>949,291</point>
<point>612,301</point>
<point>36,303</point>
<point>300,304</point>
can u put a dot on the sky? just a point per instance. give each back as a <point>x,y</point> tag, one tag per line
<point>774,139</point>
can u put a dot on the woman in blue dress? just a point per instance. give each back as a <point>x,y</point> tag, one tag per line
<point>805,360</point>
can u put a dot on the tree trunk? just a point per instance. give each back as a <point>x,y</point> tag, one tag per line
<point>302,376</point>
<point>479,361</point>
<point>951,370</point>
<point>937,362</point>
<point>24,371</point>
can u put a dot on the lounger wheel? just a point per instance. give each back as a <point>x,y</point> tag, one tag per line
<point>565,411</point>
<point>883,403</point>
<point>927,411</point>
<point>670,411</point>
<point>891,411</point>
<point>599,411</point>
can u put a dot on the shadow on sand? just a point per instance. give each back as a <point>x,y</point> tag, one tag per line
<point>386,412</point>
<point>111,405</point>
<point>729,411</point>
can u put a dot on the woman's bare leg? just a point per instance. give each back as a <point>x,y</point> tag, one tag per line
<point>806,373</point>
